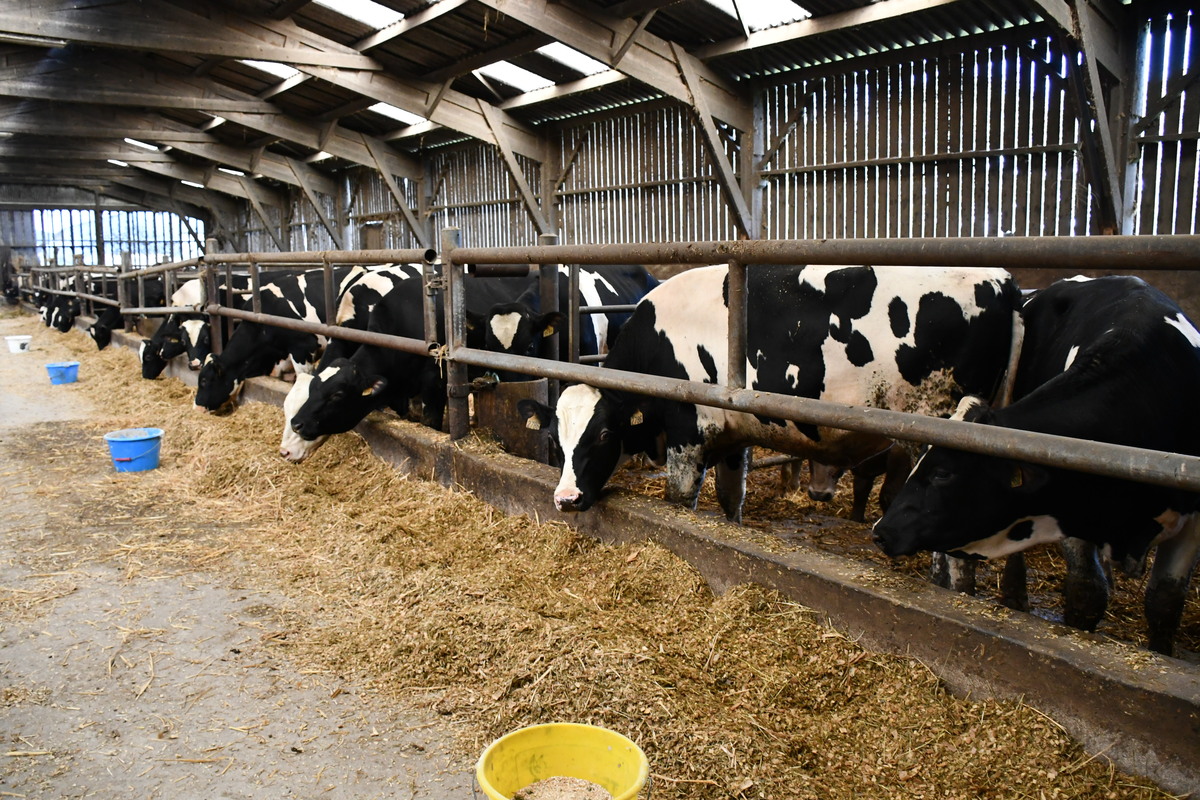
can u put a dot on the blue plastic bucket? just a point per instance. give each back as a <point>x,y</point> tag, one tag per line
<point>63,371</point>
<point>134,449</point>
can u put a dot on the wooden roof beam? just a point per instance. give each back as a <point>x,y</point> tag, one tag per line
<point>130,24</point>
<point>649,60</point>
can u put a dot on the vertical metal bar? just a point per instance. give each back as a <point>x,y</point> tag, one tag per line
<point>255,285</point>
<point>123,286</point>
<point>573,312</point>
<point>457,409</point>
<point>216,325</point>
<point>548,280</point>
<point>330,309</point>
<point>737,324</point>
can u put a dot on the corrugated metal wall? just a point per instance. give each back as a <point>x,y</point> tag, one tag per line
<point>980,143</point>
<point>1166,130</point>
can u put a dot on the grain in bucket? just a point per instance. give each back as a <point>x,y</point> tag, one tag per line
<point>562,749</point>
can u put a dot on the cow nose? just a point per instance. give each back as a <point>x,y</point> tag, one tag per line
<point>820,497</point>
<point>568,501</point>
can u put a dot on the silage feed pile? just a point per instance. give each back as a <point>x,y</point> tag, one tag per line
<point>417,594</point>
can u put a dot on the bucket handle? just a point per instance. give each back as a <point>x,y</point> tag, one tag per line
<point>139,455</point>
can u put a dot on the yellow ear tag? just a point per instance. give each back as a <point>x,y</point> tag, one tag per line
<point>546,334</point>
<point>1018,479</point>
<point>637,418</point>
<point>533,423</point>
<point>367,392</point>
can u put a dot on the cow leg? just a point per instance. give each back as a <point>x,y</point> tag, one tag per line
<point>685,474</point>
<point>863,484</point>
<point>1166,590</point>
<point>1086,587</point>
<point>1014,583</point>
<point>731,483</point>
<point>789,476</point>
<point>952,573</point>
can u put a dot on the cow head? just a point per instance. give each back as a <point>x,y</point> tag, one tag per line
<point>217,387</point>
<point>196,339</point>
<point>339,397</point>
<point>292,446</point>
<point>101,335</point>
<point>595,432</point>
<point>966,504</point>
<point>67,310</point>
<point>516,329</point>
<point>153,363</point>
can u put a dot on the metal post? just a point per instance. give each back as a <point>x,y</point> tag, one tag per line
<point>123,286</point>
<point>548,280</point>
<point>737,324</point>
<point>327,276</point>
<point>457,408</point>
<point>255,285</point>
<point>573,321</point>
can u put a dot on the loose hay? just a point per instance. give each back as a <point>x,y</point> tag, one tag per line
<point>414,592</point>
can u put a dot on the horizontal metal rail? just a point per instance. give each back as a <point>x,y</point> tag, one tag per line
<point>1097,458</point>
<point>414,346</point>
<point>320,257</point>
<point>1174,252</point>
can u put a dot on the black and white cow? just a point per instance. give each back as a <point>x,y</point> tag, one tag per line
<point>255,349</point>
<point>182,332</point>
<point>101,330</point>
<point>345,390</point>
<point>910,339</point>
<point>359,298</point>
<point>1111,360</point>
<point>517,327</point>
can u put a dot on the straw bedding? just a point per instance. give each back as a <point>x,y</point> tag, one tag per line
<point>413,593</point>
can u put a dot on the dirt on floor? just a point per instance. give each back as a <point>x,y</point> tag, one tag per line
<point>130,674</point>
<point>232,626</point>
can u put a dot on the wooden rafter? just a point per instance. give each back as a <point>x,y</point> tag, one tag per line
<point>716,150</point>
<point>315,202</point>
<point>514,170</point>
<point>419,230</point>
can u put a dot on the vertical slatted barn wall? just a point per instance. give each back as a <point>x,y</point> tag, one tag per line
<point>639,177</point>
<point>980,143</point>
<point>372,202</point>
<point>253,236</point>
<point>473,191</point>
<point>305,229</point>
<point>1166,130</point>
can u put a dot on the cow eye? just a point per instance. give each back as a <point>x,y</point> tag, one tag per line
<point>605,435</point>
<point>941,476</point>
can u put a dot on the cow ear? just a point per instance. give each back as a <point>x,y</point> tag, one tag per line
<point>375,388</point>
<point>1027,477</point>
<point>475,321</point>
<point>207,359</point>
<point>549,323</point>
<point>537,415</point>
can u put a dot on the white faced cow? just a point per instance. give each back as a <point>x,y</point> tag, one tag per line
<point>517,327</point>
<point>1111,360</point>
<point>904,338</point>
<point>359,297</point>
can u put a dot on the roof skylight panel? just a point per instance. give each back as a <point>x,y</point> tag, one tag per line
<point>517,77</point>
<point>573,58</point>
<point>272,68</point>
<point>760,15</point>
<point>371,14</point>
<point>398,114</point>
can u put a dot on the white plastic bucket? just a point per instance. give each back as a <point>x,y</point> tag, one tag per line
<point>18,344</point>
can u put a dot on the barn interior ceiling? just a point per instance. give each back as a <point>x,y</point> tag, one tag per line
<point>195,105</point>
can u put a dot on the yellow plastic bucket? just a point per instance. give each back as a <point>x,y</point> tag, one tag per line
<point>562,749</point>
